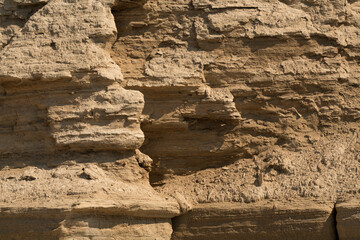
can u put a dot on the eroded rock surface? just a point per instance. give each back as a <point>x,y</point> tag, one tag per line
<point>70,132</point>
<point>347,218</point>
<point>257,221</point>
<point>118,115</point>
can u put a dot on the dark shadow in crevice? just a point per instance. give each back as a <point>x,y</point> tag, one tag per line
<point>13,19</point>
<point>334,214</point>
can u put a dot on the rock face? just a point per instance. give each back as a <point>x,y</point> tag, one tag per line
<point>70,132</point>
<point>238,118</point>
<point>256,221</point>
<point>347,219</point>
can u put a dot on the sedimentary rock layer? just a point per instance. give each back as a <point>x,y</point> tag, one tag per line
<point>279,86</point>
<point>69,131</point>
<point>263,220</point>
<point>82,223</point>
<point>240,116</point>
<point>347,219</point>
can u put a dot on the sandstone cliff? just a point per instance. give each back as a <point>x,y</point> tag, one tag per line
<point>181,119</point>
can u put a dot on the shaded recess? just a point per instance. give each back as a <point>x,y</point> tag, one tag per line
<point>13,18</point>
<point>175,115</point>
<point>258,91</point>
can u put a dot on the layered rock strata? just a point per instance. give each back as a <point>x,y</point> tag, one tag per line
<point>304,220</point>
<point>70,133</point>
<point>242,117</point>
<point>347,218</point>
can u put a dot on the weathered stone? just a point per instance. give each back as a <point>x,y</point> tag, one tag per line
<point>118,115</point>
<point>298,220</point>
<point>347,219</point>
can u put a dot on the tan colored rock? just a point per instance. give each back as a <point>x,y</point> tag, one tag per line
<point>277,63</point>
<point>106,120</point>
<point>347,219</point>
<point>43,49</point>
<point>100,223</point>
<point>76,198</point>
<point>73,132</point>
<point>298,220</point>
<point>118,115</point>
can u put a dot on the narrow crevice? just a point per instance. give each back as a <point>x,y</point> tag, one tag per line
<point>175,222</point>
<point>234,8</point>
<point>335,223</point>
<point>8,42</point>
<point>173,228</point>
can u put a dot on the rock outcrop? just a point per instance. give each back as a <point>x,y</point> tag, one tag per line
<point>257,221</point>
<point>347,218</point>
<point>183,119</point>
<point>70,132</point>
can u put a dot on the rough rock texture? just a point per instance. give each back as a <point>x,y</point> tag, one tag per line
<point>239,82</point>
<point>256,221</point>
<point>347,218</point>
<point>70,133</point>
<point>118,115</point>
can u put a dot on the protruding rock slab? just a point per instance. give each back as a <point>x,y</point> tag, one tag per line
<point>348,219</point>
<point>89,200</point>
<point>43,223</point>
<point>291,220</point>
